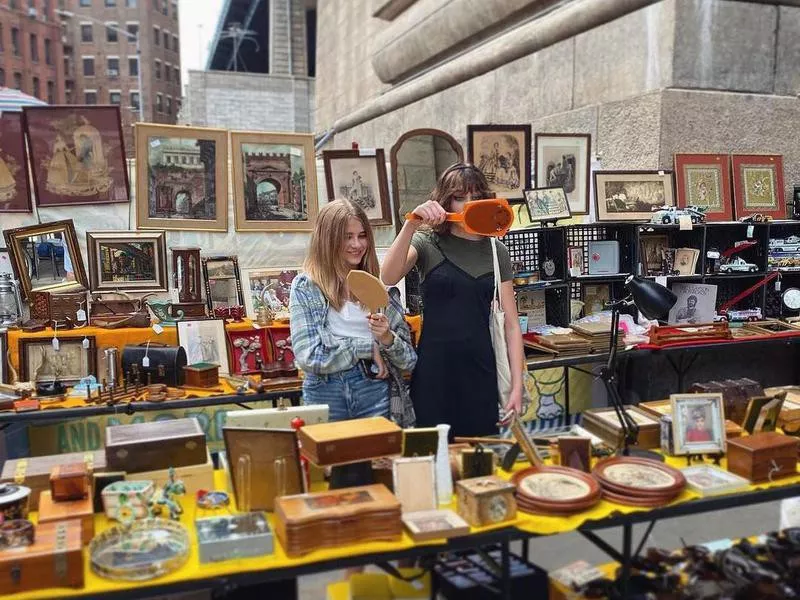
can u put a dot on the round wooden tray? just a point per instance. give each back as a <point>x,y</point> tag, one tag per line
<point>528,506</point>
<point>640,468</point>
<point>564,473</point>
<point>648,502</point>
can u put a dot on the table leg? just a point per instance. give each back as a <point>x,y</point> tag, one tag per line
<point>627,552</point>
<point>505,555</point>
<point>566,395</point>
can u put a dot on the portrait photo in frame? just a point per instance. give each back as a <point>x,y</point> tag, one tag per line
<point>547,204</point>
<point>698,423</point>
<point>652,252</point>
<point>503,155</point>
<point>758,185</point>
<point>77,154</point>
<point>274,181</point>
<point>359,176</point>
<point>564,159</point>
<point>632,195</point>
<point>204,341</point>
<point>181,178</point>
<point>268,286</point>
<point>40,362</point>
<point>15,191</point>
<point>133,261</point>
<point>704,180</point>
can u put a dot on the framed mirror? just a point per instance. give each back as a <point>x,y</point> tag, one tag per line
<point>223,281</point>
<point>46,257</point>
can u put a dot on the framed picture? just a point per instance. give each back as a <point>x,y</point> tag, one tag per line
<point>698,423</point>
<point>223,281</point>
<point>250,351</point>
<point>758,185</point>
<point>547,204</point>
<point>15,191</point>
<point>632,195</point>
<point>503,154</point>
<point>576,262</point>
<point>652,248</point>
<point>414,483</point>
<point>46,257</point>
<point>281,342</point>
<point>40,362</point>
<point>696,304</point>
<point>595,297</point>
<point>708,480</point>
<point>182,178</point>
<point>704,180</point>
<point>268,287</point>
<point>274,181</point>
<point>769,415</point>
<point>753,410</point>
<point>359,176</point>
<point>204,342</point>
<point>434,524</point>
<point>77,155</point>
<point>127,260</point>
<point>563,159</point>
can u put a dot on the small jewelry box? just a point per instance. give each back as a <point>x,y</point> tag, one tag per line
<point>486,500</point>
<point>230,537</point>
<point>69,481</point>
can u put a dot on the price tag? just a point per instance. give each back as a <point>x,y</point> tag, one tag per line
<point>366,151</point>
<point>684,222</point>
<point>173,295</point>
<point>256,325</point>
<point>662,280</point>
<point>158,328</point>
<point>750,229</point>
<point>145,361</point>
<point>85,343</point>
<point>777,285</point>
<point>81,314</point>
<point>56,344</point>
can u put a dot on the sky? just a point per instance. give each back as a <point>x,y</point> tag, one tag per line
<point>198,21</point>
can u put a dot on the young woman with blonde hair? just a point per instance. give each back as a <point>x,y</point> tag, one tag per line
<point>339,345</point>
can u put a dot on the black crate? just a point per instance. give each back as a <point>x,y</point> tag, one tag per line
<point>531,247</point>
<point>624,233</point>
<point>722,236</point>
<point>675,238</point>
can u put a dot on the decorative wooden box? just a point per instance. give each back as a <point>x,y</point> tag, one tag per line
<point>735,394</point>
<point>350,441</point>
<point>763,456</point>
<point>201,375</point>
<point>35,472</point>
<point>603,423</point>
<point>69,482</point>
<point>486,500</point>
<point>80,511</point>
<point>53,560</point>
<point>155,445</point>
<point>307,522</point>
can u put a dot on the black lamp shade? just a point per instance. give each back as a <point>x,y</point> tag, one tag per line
<point>652,299</point>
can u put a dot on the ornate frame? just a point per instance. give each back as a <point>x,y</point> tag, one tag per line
<point>525,159</point>
<point>638,175</point>
<point>94,240</point>
<point>25,345</point>
<point>742,161</point>
<point>584,209</point>
<point>204,260</point>
<point>719,162</point>
<point>330,156</point>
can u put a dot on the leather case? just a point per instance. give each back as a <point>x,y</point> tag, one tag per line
<point>166,363</point>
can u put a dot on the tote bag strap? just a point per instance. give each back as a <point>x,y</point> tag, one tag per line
<point>496,267</point>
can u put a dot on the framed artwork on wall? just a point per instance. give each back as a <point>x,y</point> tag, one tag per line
<point>133,261</point>
<point>77,154</point>
<point>503,154</point>
<point>632,195</point>
<point>183,180</point>
<point>269,287</point>
<point>274,181</point>
<point>547,204</point>
<point>360,176</point>
<point>39,361</point>
<point>15,191</point>
<point>704,180</point>
<point>563,159</point>
<point>758,185</point>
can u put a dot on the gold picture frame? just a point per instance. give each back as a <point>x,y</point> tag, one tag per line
<point>285,164</point>
<point>168,159</point>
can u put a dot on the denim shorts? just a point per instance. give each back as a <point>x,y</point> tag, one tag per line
<point>348,394</point>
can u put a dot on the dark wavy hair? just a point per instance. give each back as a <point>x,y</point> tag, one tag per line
<point>457,181</point>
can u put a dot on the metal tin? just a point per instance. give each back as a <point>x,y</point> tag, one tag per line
<point>14,501</point>
<point>230,537</point>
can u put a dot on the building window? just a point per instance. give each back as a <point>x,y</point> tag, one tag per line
<point>37,88</point>
<point>88,67</point>
<point>90,97</point>
<point>111,34</point>
<point>158,69</point>
<point>135,100</point>
<point>175,46</point>
<point>86,3</point>
<point>51,92</point>
<point>133,67</point>
<point>2,77</point>
<point>111,3</point>
<point>86,33</point>
<point>166,40</point>
<point>177,78</point>
<point>18,81</point>
<point>159,103</point>
<point>115,97</point>
<point>130,3</point>
<point>2,46</point>
<point>156,36</point>
<point>12,4</point>
<point>113,67</point>
<point>169,105</point>
<point>46,9</point>
<point>15,41</point>
<point>48,51</point>
<point>34,48</point>
<point>133,29</point>
<point>167,71</point>
<point>175,10</point>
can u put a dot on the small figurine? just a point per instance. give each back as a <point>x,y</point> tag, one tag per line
<point>166,496</point>
<point>669,215</point>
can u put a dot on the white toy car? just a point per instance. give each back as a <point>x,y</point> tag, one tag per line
<point>738,265</point>
<point>738,316</point>
<point>790,244</point>
<point>669,215</point>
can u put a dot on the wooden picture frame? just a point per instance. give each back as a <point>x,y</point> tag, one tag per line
<point>632,195</point>
<point>704,180</point>
<point>769,415</point>
<point>136,253</point>
<point>39,362</point>
<point>284,165</point>
<point>564,159</point>
<point>434,524</point>
<point>15,185</point>
<point>268,454</point>
<point>77,154</point>
<point>175,165</point>
<point>758,185</point>
<point>414,483</point>
<point>52,242</point>
<point>503,155</point>
<point>204,341</point>
<point>219,274</point>
<point>753,410</point>
<point>698,423</point>
<point>595,294</point>
<point>652,248</point>
<point>547,204</point>
<point>360,176</point>
<point>271,285</point>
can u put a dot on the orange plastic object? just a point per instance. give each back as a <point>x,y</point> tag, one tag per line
<point>492,217</point>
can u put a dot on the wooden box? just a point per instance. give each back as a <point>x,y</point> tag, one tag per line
<point>735,394</point>
<point>35,472</point>
<point>763,456</point>
<point>350,441</point>
<point>69,482</point>
<point>307,522</point>
<point>201,375</point>
<point>80,511</point>
<point>155,445</point>
<point>486,500</point>
<point>603,423</point>
<point>53,560</point>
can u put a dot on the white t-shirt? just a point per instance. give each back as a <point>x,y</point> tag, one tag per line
<point>351,321</point>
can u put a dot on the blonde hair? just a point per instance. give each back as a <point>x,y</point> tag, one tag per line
<point>324,263</point>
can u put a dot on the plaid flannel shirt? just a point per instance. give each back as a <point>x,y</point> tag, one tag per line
<point>318,351</point>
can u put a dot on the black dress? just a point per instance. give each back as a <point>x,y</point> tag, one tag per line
<point>455,380</point>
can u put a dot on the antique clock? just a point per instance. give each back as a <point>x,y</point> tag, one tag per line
<point>186,281</point>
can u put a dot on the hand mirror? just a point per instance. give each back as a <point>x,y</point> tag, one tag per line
<point>492,217</point>
<point>369,290</point>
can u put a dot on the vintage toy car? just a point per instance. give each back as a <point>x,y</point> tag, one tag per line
<point>734,316</point>
<point>789,244</point>
<point>756,218</point>
<point>738,265</point>
<point>669,215</point>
